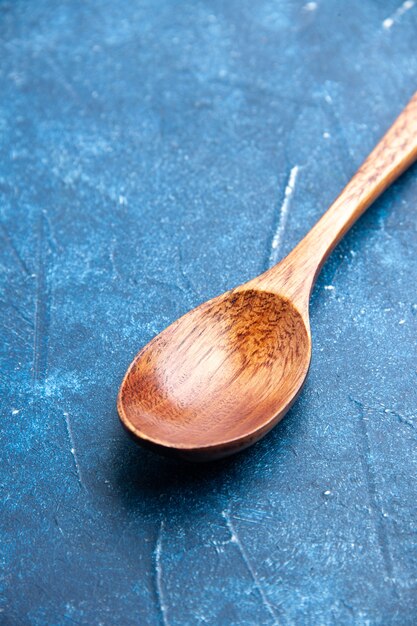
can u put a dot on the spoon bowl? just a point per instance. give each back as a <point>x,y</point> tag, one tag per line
<point>218,378</point>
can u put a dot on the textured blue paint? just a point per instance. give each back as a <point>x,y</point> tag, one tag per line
<point>145,149</point>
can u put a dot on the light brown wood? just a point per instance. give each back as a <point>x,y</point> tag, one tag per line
<point>224,374</point>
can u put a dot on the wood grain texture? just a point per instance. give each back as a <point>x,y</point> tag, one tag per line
<point>207,385</point>
<point>223,375</point>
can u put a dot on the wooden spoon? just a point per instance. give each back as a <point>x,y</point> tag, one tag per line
<point>224,374</point>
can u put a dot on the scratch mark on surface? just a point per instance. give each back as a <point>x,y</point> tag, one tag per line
<point>169,285</point>
<point>14,250</point>
<point>61,78</point>
<point>50,234</point>
<point>58,526</point>
<point>158,576</point>
<point>390,21</point>
<point>403,420</point>
<point>234,538</point>
<point>72,449</point>
<point>373,497</point>
<point>18,312</point>
<point>339,130</point>
<point>40,345</point>
<point>17,332</point>
<point>112,253</point>
<point>189,288</point>
<point>283,216</point>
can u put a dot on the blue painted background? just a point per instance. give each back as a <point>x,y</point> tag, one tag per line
<point>145,150</point>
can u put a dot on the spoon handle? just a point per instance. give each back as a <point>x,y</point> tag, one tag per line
<point>396,151</point>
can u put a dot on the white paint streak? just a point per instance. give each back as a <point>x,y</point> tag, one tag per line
<point>283,216</point>
<point>390,21</point>
<point>72,448</point>
<point>112,252</point>
<point>158,574</point>
<point>235,540</point>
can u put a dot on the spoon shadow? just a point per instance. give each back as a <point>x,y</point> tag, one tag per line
<point>173,485</point>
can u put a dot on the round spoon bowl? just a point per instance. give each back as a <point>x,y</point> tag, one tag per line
<point>219,378</point>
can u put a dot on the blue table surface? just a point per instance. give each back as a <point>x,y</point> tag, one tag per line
<point>145,151</point>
